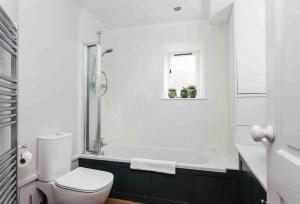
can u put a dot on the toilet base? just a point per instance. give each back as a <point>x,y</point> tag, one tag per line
<point>65,196</point>
<point>57,195</point>
<point>47,189</point>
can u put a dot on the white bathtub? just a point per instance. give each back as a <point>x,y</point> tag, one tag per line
<point>205,159</point>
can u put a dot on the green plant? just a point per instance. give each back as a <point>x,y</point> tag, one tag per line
<point>172,93</point>
<point>184,93</point>
<point>191,87</point>
<point>192,91</point>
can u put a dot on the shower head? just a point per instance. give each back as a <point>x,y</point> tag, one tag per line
<point>106,52</point>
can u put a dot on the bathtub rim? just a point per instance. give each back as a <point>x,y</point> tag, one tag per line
<point>214,165</point>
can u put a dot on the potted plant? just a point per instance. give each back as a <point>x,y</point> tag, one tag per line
<point>172,93</point>
<point>184,93</point>
<point>192,91</point>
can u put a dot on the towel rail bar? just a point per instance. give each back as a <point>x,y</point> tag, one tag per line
<point>7,181</point>
<point>7,21</point>
<point>6,93</point>
<point>7,191</point>
<point>4,45</point>
<point>8,153</point>
<point>12,200</point>
<point>7,163</point>
<point>8,111</point>
<point>2,125</point>
<point>9,101</point>
<point>8,34</point>
<point>8,40</point>
<point>7,171</point>
<point>8,86</point>
<point>8,116</point>
<point>5,159</point>
<point>7,78</point>
<point>11,195</point>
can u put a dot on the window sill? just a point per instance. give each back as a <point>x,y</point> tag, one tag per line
<point>184,99</point>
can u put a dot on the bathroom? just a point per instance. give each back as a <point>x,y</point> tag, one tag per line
<point>157,102</point>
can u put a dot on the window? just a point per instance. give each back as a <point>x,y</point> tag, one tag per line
<point>182,70</point>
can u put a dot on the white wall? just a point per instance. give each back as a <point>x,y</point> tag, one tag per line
<point>51,37</point>
<point>219,11</point>
<point>133,112</point>
<point>217,5</point>
<point>48,71</point>
<point>48,75</point>
<point>251,40</point>
<point>89,27</point>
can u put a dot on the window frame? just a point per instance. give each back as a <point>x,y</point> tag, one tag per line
<point>168,77</point>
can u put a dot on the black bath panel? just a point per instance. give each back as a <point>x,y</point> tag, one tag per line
<point>186,187</point>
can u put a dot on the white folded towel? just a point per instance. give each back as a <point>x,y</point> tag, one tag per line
<point>168,167</point>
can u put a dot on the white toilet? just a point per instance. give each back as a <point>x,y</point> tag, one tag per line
<point>63,186</point>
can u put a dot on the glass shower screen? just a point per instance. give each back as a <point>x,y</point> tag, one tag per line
<point>92,105</point>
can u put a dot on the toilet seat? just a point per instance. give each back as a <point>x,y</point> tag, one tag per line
<point>85,180</point>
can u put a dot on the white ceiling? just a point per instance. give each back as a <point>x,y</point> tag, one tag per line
<point>128,13</point>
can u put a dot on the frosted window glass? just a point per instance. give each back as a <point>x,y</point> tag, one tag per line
<point>183,71</point>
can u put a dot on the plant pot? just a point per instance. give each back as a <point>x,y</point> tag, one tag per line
<point>172,93</point>
<point>192,93</point>
<point>184,93</point>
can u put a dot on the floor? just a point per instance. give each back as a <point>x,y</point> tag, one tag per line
<point>117,201</point>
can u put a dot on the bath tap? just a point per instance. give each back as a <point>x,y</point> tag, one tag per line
<point>102,143</point>
<point>99,146</point>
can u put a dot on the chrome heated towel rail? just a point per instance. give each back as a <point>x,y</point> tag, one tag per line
<point>8,111</point>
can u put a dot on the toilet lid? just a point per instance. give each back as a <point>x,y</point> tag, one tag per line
<point>85,180</point>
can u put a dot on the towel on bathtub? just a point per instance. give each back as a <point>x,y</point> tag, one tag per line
<point>167,167</point>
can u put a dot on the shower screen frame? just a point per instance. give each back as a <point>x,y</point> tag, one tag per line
<point>86,96</point>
